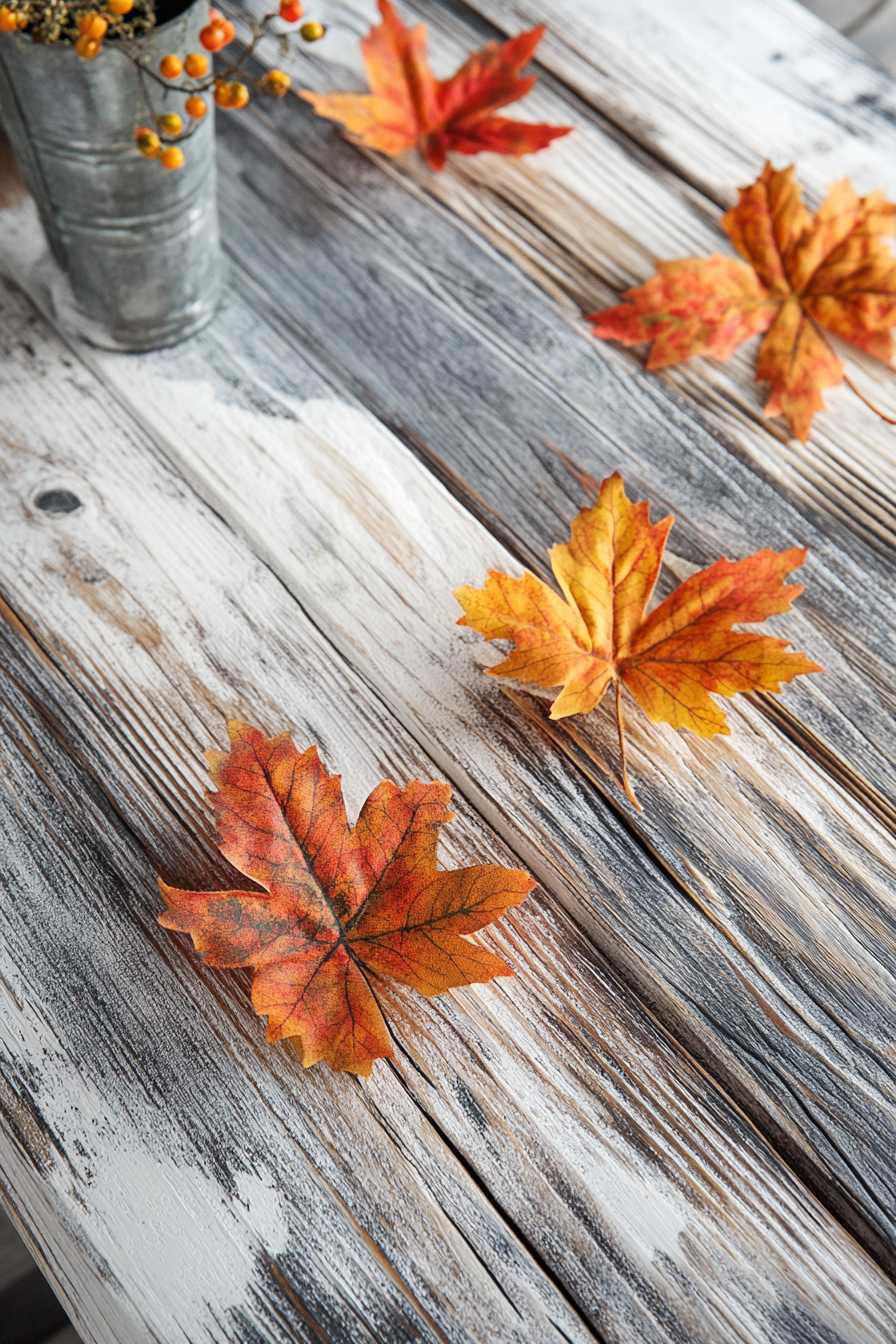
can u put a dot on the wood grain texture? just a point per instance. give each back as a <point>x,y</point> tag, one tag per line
<point>372,280</point>
<point>587,219</point>
<point>185,1181</point>
<point>715,91</point>
<point>553,1111</point>
<point>359,283</point>
<point>505,374</point>
<point>608,212</point>
<point>730,954</point>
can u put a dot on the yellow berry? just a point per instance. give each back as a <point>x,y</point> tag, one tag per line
<point>195,107</point>
<point>171,123</point>
<point>312,31</point>
<point>8,20</point>
<point>148,142</point>
<point>88,47</point>
<point>170,66</point>
<point>171,157</point>
<point>119,7</point>
<point>196,65</point>
<point>276,82</point>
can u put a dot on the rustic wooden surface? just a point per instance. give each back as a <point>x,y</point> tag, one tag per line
<point>677,1122</point>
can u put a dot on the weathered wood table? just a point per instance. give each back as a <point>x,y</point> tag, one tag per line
<point>678,1121</point>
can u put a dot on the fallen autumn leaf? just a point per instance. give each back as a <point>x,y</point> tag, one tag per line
<point>408,106</point>
<point>599,631</point>
<point>803,274</point>
<point>342,905</point>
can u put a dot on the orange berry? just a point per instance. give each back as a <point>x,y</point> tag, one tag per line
<point>93,25</point>
<point>88,47</point>
<point>119,7</point>
<point>171,157</point>
<point>291,10</point>
<point>213,36</point>
<point>170,66</point>
<point>196,65</point>
<point>148,142</point>
<point>312,32</point>
<point>215,15</point>
<point>23,21</point>
<point>171,123</point>
<point>8,20</point>
<point>231,94</point>
<point>276,82</point>
<point>195,107</point>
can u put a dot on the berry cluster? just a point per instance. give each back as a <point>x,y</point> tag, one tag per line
<point>80,22</point>
<point>162,140</point>
<point>87,25</point>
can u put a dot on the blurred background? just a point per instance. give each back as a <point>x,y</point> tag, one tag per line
<point>869,23</point>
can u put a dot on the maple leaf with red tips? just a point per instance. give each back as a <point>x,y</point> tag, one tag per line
<point>341,904</point>
<point>802,274</point>
<point>599,632</point>
<point>408,106</point>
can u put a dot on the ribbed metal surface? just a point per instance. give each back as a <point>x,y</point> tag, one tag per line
<point>139,245</point>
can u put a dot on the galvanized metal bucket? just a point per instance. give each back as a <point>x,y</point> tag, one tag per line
<point>138,244</point>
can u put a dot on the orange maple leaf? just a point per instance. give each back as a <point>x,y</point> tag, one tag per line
<point>341,904</point>
<point>806,272</point>
<point>408,106</point>
<point>599,631</point>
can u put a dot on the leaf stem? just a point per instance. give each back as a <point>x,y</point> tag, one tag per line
<point>870,404</point>
<point>846,378</point>
<point>620,723</point>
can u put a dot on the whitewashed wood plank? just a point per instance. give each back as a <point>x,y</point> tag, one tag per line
<point>767,81</point>
<point>525,379</point>
<point>332,290</point>
<point>338,266</point>
<point>199,402</point>
<point>183,1180</point>
<point>851,480</point>
<point>643,1192</point>
<point>835,481</point>
<point>587,219</point>
<point>715,90</point>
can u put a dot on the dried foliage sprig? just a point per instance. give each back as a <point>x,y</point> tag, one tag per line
<point>80,23</point>
<point>88,26</point>
<point>162,140</point>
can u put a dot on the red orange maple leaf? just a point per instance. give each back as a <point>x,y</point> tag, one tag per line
<point>599,632</point>
<point>802,274</point>
<point>408,106</point>
<point>342,905</point>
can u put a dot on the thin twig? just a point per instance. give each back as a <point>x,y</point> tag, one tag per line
<point>629,791</point>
